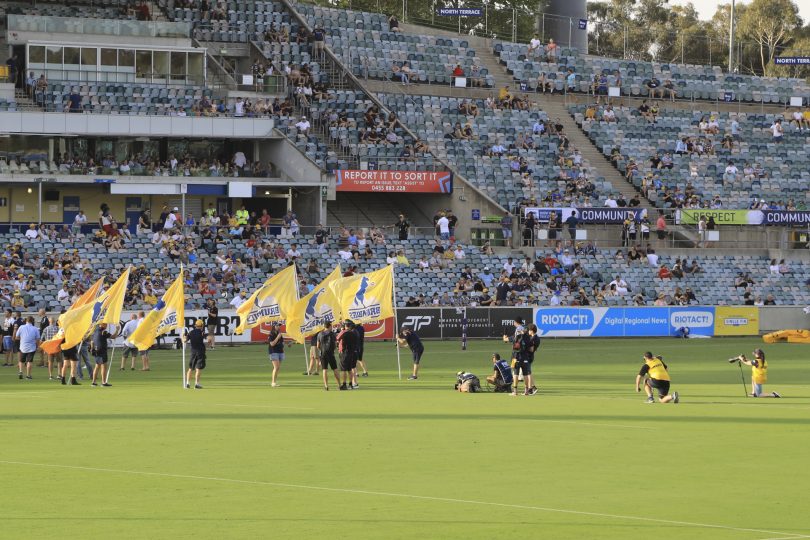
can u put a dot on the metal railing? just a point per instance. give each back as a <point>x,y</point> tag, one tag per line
<point>110,27</point>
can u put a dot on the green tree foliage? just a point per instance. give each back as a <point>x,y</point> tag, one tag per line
<point>772,25</point>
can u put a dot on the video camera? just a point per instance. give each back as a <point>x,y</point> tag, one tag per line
<point>736,359</point>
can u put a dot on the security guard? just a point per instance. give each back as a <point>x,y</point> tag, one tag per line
<point>242,216</point>
<point>657,378</point>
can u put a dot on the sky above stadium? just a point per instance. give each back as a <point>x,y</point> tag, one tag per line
<point>707,8</point>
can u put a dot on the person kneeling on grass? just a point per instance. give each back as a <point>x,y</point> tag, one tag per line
<point>501,377</point>
<point>195,338</point>
<point>759,374</point>
<point>467,382</point>
<point>657,378</point>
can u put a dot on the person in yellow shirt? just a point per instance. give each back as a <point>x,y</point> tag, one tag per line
<point>242,216</point>
<point>656,377</point>
<point>759,373</point>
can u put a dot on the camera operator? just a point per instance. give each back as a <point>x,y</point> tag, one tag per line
<point>759,373</point>
<point>467,382</point>
<point>657,378</point>
<point>501,377</point>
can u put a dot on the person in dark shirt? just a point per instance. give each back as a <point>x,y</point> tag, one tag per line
<point>402,226</point>
<point>212,321</point>
<point>347,345</point>
<point>361,337</point>
<point>326,344</point>
<point>408,337</point>
<point>572,223</point>
<point>321,236</point>
<point>100,354</point>
<point>275,348</point>
<point>196,339</point>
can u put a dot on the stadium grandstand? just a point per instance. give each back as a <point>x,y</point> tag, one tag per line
<point>237,137</point>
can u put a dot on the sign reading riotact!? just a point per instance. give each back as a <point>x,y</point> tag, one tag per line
<point>395,181</point>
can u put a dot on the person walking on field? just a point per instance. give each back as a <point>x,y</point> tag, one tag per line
<point>325,348</point>
<point>312,367</point>
<point>655,374</point>
<point>275,348</point>
<point>100,354</point>
<point>196,339</point>
<point>29,339</point>
<point>360,330</point>
<point>130,350</point>
<point>408,338</point>
<point>347,345</point>
<point>759,373</point>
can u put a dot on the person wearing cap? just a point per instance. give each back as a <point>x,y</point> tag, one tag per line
<point>275,348</point>
<point>303,125</point>
<point>654,372</point>
<point>8,337</point>
<point>347,347</point>
<point>407,337</point>
<point>17,301</point>
<point>32,233</point>
<point>99,343</point>
<point>30,338</point>
<point>196,339</point>
<point>212,321</point>
<point>325,347</point>
<point>759,373</point>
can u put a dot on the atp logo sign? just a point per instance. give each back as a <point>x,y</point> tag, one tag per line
<point>417,322</point>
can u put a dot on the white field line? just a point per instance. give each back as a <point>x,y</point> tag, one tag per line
<point>782,534</point>
<point>241,405</point>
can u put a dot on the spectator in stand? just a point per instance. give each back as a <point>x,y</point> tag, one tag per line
<point>661,226</point>
<point>475,77</point>
<point>653,87</point>
<point>552,51</point>
<point>777,131</point>
<point>664,272</point>
<point>669,88</point>
<point>535,48</point>
<point>32,233</point>
<point>393,24</point>
<point>303,126</point>
<point>458,71</point>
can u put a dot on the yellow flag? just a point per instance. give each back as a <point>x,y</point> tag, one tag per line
<point>80,322</point>
<point>168,314</point>
<point>54,345</point>
<point>367,297</point>
<point>310,312</point>
<point>273,301</point>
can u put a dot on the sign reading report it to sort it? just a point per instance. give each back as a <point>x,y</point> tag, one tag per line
<point>395,181</point>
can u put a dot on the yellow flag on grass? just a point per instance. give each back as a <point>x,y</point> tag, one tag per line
<point>310,312</point>
<point>366,297</point>
<point>168,314</point>
<point>273,301</point>
<point>80,322</point>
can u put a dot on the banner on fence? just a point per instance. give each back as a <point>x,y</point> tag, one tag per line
<point>395,181</point>
<point>587,215</point>
<point>624,321</point>
<point>736,321</point>
<point>745,217</point>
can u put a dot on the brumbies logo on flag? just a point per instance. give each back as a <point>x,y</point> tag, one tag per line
<point>169,320</point>
<point>315,315</point>
<point>259,311</point>
<point>364,307</point>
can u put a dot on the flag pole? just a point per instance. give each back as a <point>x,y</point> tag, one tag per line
<point>183,341</point>
<point>396,319</point>
<point>112,359</point>
<point>298,297</point>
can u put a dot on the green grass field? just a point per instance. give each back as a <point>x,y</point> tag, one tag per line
<point>586,458</point>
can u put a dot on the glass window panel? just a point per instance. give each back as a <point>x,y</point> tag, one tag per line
<point>89,56</point>
<point>195,68</point>
<point>178,65</point>
<point>160,64</point>
<point>71,55</point>
<point>53,55</point>
<point>36,55</point>
<point>109,57</point>
<point>126,58</point>
<point>143,63</point>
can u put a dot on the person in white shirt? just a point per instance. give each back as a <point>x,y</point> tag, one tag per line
<point>63,293</point>
<point>444,227</point>
<point>423,263</point>
<point>621,285</point>
<point>509,266</point>
<point>555,299</point>
<point>171,219</point>
<point>239,299</point>
<point>130,350</point>
<point>458,253</point>
<point>345,254</point>
<point>303,125</point>
<point>78,221</point>
<point>776,129</point>
<point>293,252</point>
<point>610,202</point>
<point>731,171</point>
<point>239,107</point>
<point>392,258</point>
<point>535,46</point>
<point>32,233</point>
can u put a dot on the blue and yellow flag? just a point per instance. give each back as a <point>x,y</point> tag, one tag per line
<point>310,312</point>
<point>366,297</point>
<point>54,345</point>
<point>273,301</point>
<point>168,314</point>
<point>81,322</point>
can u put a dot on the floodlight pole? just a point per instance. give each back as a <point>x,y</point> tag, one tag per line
<point>731,39</point>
